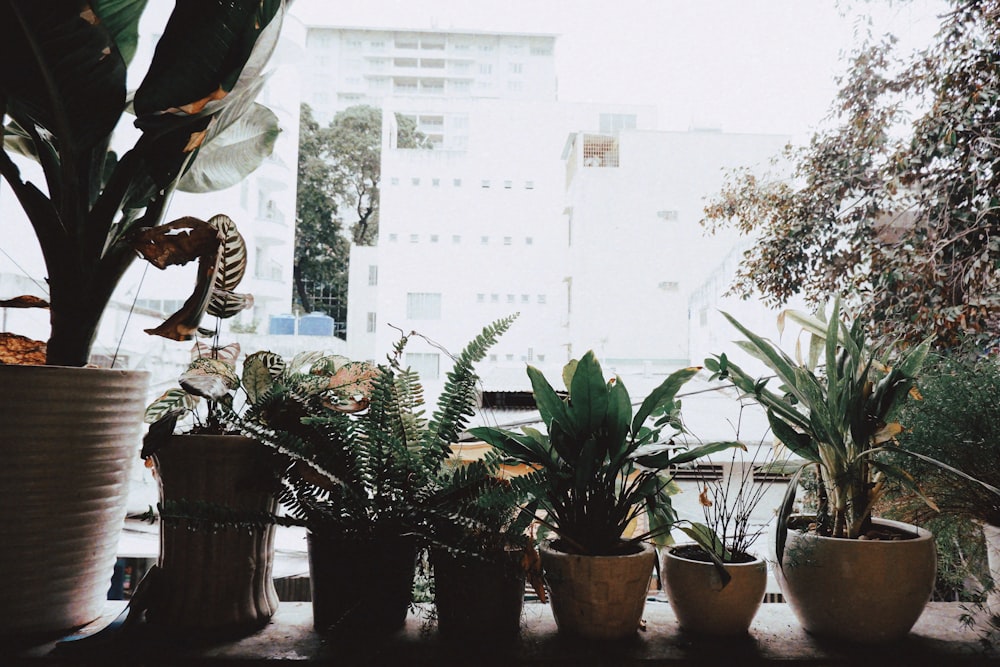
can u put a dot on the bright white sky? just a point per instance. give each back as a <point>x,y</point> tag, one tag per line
<point>742,65</point>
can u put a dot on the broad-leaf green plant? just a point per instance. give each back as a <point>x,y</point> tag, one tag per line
<point>836,419</point>
<point>598,467</point>
<point>63,92</point>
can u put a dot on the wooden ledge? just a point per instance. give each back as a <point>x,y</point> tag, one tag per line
<point>775,637</point>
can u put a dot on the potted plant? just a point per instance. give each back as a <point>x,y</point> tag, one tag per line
<point>599,468</point>
<point>63,84</point>
<point>482,561</point>
<point>362,481</point>
<point>845,574</point>
<point>213,575</point>
<point>715,584</point>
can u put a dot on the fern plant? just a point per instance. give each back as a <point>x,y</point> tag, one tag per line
<point>378,470</point>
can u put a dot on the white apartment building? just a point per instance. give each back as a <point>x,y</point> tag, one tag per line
<point>424,72</point>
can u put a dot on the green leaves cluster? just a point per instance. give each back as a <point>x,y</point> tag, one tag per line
<point>836,419</point>
<point>599,467</point>
<point>894,203</point>
<point>386,468</point>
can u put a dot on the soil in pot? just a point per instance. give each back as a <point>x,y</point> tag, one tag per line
<point>702,603</point>
<point>478,598</point>
<point>360,586</point>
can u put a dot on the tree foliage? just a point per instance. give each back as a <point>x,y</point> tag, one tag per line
<point>896,203</point>
<point>339,171</point>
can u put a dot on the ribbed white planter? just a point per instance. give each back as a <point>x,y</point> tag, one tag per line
<point>68,439</point>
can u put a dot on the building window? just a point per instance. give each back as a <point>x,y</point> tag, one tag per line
<point>372,275</point>
<point>424,364</point>
<point>370,324</point>
<point>455,238</point>
<point>541,298</point>
<point>414,238</point>
<point>528,240</point>
<point>669,286</point>
<point>509,357</point>
<point>434,238</point>
<point>529,185</point>
<point>423,306</point>
<point>493,358</point>
<point>516,68</point>
<point>457,182</point>
<point>541,358</point>
<point>510,298</point>
<point>485,68</point>
<point>436,182</point>
<point>415,180</point>
<point>508,185</point>
<point>494,298</point>
<point>525,298</point>
<point>485,183</point>
<point>515,86</point>
<point>480,298</point>
<point>393,238</point>
<point>612,122</point>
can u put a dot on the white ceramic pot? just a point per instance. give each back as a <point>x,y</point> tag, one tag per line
<point>702,604</point>
<point>864,591</point>
<point>598,597</point>
<point>68,440</point>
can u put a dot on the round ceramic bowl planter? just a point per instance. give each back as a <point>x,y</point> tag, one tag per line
<point>69,438</point>
<point>700,601</point>
<point>478,598</point>
<point>864,591</point>
<point>215,580</point>
<point>360,586</point>
<point>598,597</point>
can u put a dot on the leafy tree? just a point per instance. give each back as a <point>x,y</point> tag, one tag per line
<point>339,169</point>
<point>896,204</point>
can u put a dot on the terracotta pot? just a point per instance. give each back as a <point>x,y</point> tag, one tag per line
<point>360,586</point>
<point>215,580</point>
<point>598,597</point>
<point>701,602</point>
<point>69,438</point>
<point>478,598</point>
<point>863,591</point>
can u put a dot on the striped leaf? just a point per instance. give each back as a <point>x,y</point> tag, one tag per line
<point>260,370</point>
<point>173,401</point>
<point>228,304</point>
<point>233,263</point>
<point>209,378</point>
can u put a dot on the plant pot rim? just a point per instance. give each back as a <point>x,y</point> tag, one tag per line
<point>49,368</point>
<point>669,551</point>
<point>644,548</point>
<point>919,533</point>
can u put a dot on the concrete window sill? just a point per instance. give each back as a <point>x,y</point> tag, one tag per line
<point>775,636</point>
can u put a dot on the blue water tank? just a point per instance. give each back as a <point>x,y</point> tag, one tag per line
<point>281,325</point>
<point>316,324</point>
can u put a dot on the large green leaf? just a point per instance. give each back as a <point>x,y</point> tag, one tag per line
<point>588,396</point>
<point>665,392</point>
<point>236,152</point>
<point>204,48</point>
<point>550,405</point>
<point>56,73</point>
<point>260,370</point>
<point>121,18</point>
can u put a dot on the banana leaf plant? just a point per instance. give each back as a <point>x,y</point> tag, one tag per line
<point>598,467</point>
<point>836,420</point>
<point>63,67</point>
